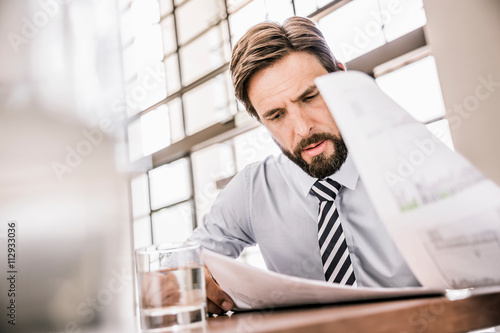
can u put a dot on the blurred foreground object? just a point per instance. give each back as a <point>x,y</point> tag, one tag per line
<point>63,205</point>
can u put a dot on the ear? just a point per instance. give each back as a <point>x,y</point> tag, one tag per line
<point>341,65</point>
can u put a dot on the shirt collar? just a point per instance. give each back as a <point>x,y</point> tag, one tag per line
<point>347,176</point>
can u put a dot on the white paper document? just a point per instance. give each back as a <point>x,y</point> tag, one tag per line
<point>254,288</point>
<point>443,214</point>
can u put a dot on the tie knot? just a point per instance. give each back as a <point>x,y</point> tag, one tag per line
<point>326,189</point>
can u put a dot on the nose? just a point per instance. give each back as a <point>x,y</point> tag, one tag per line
<point>302,124</point>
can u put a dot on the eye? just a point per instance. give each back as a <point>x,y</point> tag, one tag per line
<point>311,97</point>
<point>276,116</point>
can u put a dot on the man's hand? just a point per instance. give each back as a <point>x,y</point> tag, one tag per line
<point>159,289</point>
<point>217,300</point>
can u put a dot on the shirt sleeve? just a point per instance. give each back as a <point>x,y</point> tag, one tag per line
<point>226,228</point>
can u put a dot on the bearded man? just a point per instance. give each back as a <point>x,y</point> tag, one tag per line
<point>307,209</point>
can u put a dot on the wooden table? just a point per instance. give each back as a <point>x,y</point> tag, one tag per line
<point>429,314</point>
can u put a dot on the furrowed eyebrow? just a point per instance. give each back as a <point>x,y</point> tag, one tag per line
<point>306,92</point>
<point>269,113</point>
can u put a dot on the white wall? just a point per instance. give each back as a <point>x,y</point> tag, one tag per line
<point>464,36</point>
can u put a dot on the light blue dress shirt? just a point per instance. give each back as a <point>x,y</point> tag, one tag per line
<point>269,203</point>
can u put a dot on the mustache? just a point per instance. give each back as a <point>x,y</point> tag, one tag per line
<point>314,138</point>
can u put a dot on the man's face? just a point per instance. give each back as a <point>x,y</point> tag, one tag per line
<point>290,106</point>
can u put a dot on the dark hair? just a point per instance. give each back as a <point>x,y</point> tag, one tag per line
<point>268,42</point>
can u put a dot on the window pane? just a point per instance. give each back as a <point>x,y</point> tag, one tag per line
<point>155,130</point>
<point>401,17</point>
<point>254,146</point>
<point>142,232</point>
<point>353,29</point>
<point>148,46</point>
<point>210,165</point>
<point>172,74</point>
<point>151,87</point>
<point>416,88</point>
<point>140,195</point>
<point>149,133</point>
<point>206,53</point>
<point>232,101</point>
<point>132,107</point>
<point>233,5</point>
<point>146,12</point>
<point>279,10</point>
<point>245,18</point>
<point>170,183</point>
<point>168,33</point>
<point>196,15</point>
<point>304,7</point>
<point>207,104</point>
<point>147,89</point>
<point>176,120</point>
<point>135,140</point>
<point>165,7</point>
<point>441,129</point>
<point>179,2</point>
<point>173,224</point>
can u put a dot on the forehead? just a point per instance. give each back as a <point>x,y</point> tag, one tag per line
<point>284,80</point>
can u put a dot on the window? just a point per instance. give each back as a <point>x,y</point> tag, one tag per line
<point>176,120</point>
<point>195,16</point>
<point>211,166</point>
<point>173,224</point>
<point>166,6</point>
<point>172,79</point>
<point>215,165</point>
<point>168,35</point>
<point>140,196</point>
<point>151,132</point>
<point>420,94</point>
<point>254,146</point>
<point>170,184</point>
<point>207,104</point>
<point>364,25</point>
<point>243,18</point>
<point>401,16</point>
<point>441,129</point>
<point>155,130</point>
<point>415,87</point>
<point>353,29</point>
<point>170,192</point>
<point>181,110</point>
<point>140,211</point>
<point>204,54</point>
<point>142,232</point>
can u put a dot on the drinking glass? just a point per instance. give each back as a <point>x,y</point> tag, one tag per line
<point>171,286</point>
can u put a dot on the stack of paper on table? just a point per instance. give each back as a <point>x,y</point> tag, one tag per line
<point>254,288</point>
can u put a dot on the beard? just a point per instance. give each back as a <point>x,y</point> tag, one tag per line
<point>321,166</point>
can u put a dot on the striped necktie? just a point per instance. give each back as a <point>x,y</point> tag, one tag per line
<point>337,264</point>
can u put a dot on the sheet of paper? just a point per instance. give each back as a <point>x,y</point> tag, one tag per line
<point>443,214</point>
<point>254,288</point>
